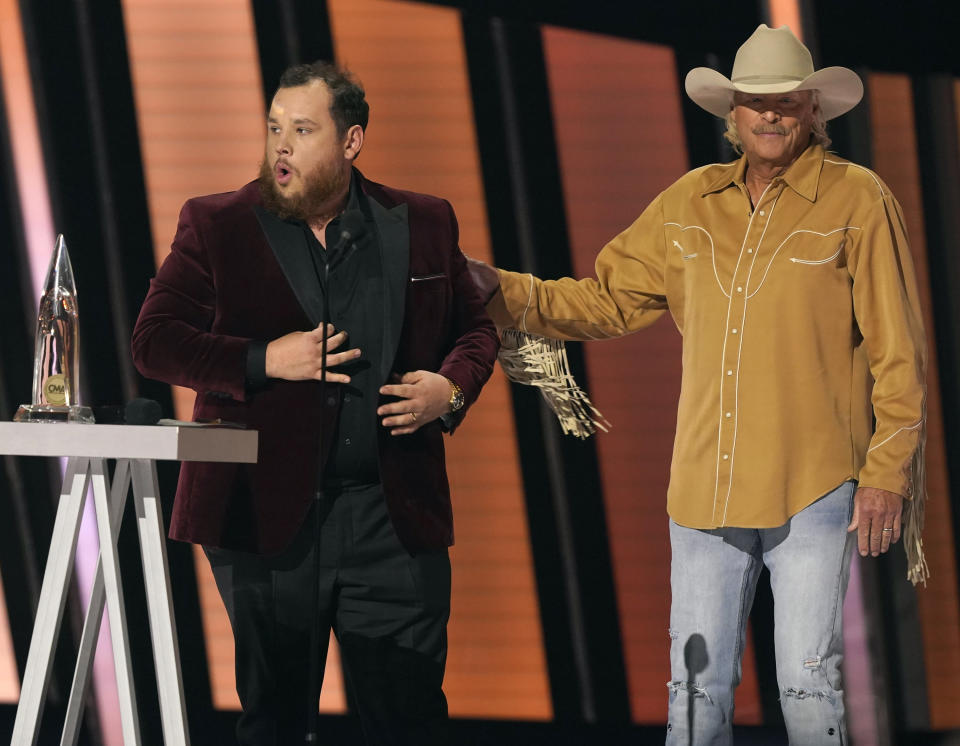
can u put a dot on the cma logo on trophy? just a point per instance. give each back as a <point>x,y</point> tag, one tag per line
<point>56,377</point>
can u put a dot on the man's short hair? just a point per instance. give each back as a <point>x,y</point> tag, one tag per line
<point>347,103</point>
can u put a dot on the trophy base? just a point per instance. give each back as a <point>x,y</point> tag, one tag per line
<point>53,413</point>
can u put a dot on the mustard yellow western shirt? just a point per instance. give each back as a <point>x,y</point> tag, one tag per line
<point>800,323</point>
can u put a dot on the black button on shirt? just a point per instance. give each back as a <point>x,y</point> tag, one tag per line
<point>356,305</point>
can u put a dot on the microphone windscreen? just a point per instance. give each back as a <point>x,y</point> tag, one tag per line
<point>353,224</point>
<point>142,412</point>
<point>108,414</point>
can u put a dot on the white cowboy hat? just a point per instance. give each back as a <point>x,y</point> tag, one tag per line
<point>774,61</point>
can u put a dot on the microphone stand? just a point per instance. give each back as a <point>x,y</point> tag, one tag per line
<point>315,642</point>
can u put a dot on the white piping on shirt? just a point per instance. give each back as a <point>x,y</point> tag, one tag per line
<point>723,352</point>
<point>796,260</point>
<point>802,230</point>
<point>523,318</point>
<point>911,427</point>
<point>713,256</point>
<point>848,163</point>
<point>743,324</point>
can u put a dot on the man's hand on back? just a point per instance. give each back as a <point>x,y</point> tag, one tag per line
<point>484,277</point>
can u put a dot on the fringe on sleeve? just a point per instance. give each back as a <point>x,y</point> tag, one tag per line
<point>538,361</point>
<point>913,512</point>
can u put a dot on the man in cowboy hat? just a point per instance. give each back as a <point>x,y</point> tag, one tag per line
<point>789,275</point>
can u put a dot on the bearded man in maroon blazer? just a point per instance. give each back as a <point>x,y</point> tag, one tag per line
<point>349,501</point>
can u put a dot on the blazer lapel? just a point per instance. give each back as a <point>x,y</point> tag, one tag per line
<point>293,254</point>
<point>394,233</point>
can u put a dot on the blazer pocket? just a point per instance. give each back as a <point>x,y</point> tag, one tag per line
<point>425,278</point>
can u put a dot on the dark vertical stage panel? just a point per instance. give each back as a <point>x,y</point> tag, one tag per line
<point>89,136</point>
<point>290,32</point>
<point>704,132</point>
<point>919,40</point>
<point>422,136</point>
<point>20,557</point>
<point>887,600</point>
<point>695,31</point>
<point>920,652</point>
<point>27,496</point>
<point>939,162</point>
<point>528,233</point>
<point>85,112</point>
<point>686,24</point>
<point>890,603</point>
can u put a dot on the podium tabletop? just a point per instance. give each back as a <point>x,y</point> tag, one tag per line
<point>157,442</point>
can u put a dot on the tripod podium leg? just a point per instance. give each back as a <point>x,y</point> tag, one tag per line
<point>114,592</point>
<point>163,629</point>
<point>53,597</point>
<point>91,623</point>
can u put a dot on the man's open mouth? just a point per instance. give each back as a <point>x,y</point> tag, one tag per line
<point>283,172</point>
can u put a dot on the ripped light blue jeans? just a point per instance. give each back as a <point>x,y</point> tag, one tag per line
<point>713,577</point>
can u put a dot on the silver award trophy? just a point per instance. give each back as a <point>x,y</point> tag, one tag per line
<point>56,378</point>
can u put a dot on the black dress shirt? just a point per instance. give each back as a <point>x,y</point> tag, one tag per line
<point>356,301</point>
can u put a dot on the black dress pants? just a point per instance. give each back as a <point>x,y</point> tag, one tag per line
<point>389,611</point>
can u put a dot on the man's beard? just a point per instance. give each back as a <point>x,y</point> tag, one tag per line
<point>320,186</point>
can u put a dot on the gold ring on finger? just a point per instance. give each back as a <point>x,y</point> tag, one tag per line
<point>414,415</point>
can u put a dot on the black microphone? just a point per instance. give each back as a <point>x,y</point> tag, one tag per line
<point>352,226</point>
<point>142,412</point>
<point>695,658</point>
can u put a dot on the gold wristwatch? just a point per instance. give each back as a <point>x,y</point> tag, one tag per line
<point>456,396</point>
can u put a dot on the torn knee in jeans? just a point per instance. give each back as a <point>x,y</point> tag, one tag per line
<point>812,663</point>
<point>692,688</point>
<point>673,634</point>
<point>801,694</point>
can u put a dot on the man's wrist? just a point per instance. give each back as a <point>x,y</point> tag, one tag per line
<point>456,396</point>
<point>256,365</point>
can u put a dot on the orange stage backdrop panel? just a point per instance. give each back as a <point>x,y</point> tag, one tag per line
<point>620,134</point>
<point>895,160</point>
<point>411,60</point>
<point>785,13</point>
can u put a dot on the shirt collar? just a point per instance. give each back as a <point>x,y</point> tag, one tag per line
<point>353,196</point>
<point>803,176</point>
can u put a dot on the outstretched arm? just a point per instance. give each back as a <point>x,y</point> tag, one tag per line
<point>627,294</point>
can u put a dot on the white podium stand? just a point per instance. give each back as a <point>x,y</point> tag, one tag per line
<point>136,449</point>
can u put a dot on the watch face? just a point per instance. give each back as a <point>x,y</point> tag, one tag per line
<point>456,400</point>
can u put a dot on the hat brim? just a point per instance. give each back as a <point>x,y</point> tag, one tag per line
<point>840,89</point>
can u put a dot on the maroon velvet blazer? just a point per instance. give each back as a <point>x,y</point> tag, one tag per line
<point>238,274</point>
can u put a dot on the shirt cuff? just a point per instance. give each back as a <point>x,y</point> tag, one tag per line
<point>256,376</point>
